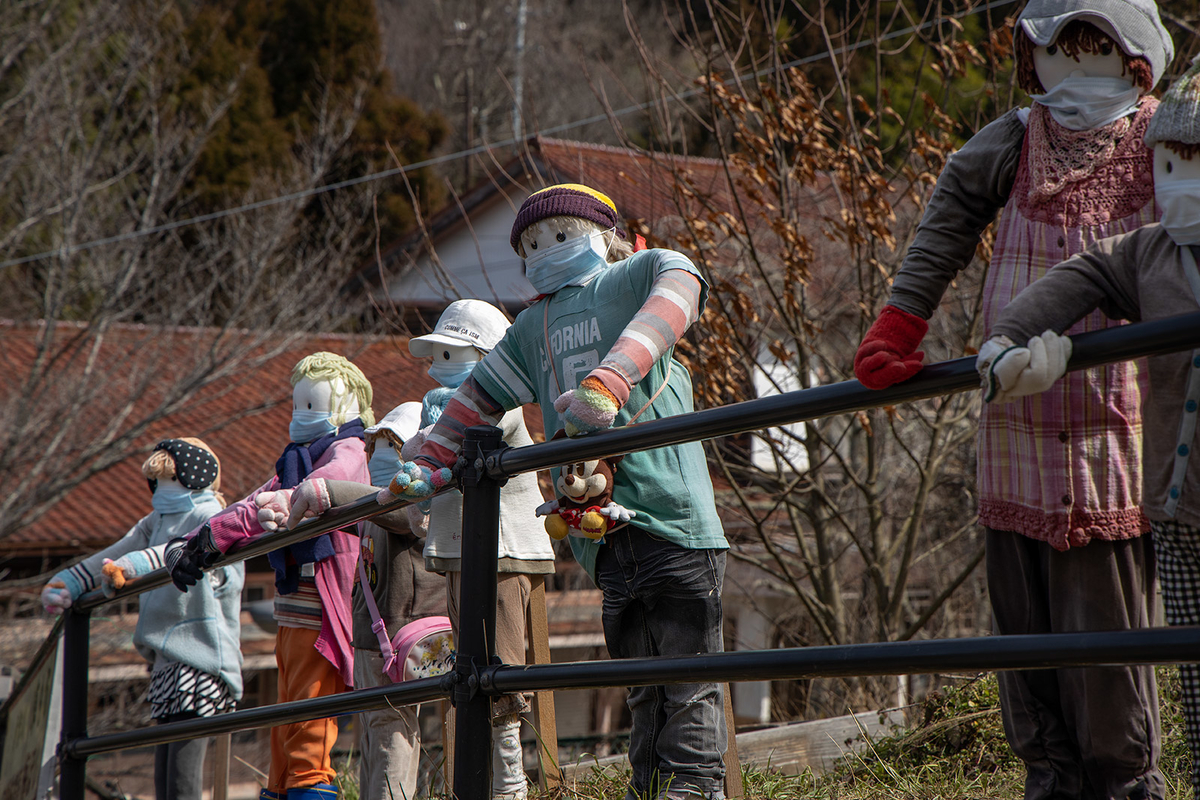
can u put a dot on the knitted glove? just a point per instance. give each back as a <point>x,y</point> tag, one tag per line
<point>56,598</point>
<point>310,499</point>
<point>187,558</point>
<point>126,569</point>
<point>414,482</point>
<point>590,408</point>
<point>1008,372</point>
<point>273,508</point>
<point>886,355</point>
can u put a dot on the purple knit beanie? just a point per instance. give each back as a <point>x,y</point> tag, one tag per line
<point>566,200</point>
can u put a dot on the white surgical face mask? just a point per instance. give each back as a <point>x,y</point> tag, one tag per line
<point>383,464</point>
<point>171,498</point>
<point>1180,204</point>
<point>1082,102</point>
<point>570,263</point>
<point>308,426</point>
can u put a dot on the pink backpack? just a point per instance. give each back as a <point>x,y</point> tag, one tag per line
<point>420,649</point>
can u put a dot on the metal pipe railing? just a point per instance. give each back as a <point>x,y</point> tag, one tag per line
<point>374,699</point>
<point>477,677</point>
<point>946,377</point>
<point>334,519</point>
<point>1041,651</point>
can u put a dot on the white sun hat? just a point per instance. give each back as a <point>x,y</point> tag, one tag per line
<point>403,421</point>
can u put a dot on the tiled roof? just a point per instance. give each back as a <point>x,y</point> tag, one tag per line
<point>642,185</point>
<point>245,421</point>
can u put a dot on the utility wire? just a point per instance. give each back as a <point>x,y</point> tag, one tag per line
<point>431,162</point>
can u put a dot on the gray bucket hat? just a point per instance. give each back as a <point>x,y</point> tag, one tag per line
<point>1135,23</point>
<point>1177,118</point>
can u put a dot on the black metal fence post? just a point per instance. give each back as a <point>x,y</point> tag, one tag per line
<point>476,645</point>
<point>76,636</point>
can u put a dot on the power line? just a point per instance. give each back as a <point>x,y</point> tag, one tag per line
<point>467,153</point>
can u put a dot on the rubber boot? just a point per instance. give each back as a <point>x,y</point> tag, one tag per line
<point>508,770</point>
<point>318,791</point>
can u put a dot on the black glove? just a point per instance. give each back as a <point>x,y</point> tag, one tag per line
<point>186,559</point>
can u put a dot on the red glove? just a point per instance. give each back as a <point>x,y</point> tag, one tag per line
<point>886,356</point>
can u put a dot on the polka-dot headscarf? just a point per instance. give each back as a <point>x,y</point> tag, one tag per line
<point>195,467</point>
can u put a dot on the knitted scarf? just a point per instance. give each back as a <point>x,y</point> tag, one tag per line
<point>292,467</point>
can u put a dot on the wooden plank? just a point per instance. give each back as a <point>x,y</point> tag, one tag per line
<point>221,756</point>
<point>792,747</point>
<point>448,746</point>
<point>545,725</point>
<point>818,744</point>
<point>733,764</point>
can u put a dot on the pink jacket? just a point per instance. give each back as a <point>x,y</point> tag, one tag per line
<point>237,525</point>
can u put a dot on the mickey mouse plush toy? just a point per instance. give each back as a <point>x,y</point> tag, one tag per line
<point>584,505</point>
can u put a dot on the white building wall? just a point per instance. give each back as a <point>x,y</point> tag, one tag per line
<point>772,378</point>
<point>470,264</point>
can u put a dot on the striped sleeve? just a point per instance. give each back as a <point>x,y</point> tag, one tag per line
<point>470,405</point>
<point>85,576</point>
<point>671,308</point>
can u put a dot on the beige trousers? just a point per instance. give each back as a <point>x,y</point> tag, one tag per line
<point>389,740</point>
<point>512,607</point>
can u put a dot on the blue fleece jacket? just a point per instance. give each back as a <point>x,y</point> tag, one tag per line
<point>200,627</point>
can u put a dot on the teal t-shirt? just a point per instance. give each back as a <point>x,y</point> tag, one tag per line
<point>557,341</point>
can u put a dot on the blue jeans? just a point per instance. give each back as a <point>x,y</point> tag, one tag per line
<point>661,599</point>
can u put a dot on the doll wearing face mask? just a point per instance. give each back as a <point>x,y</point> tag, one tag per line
<point>596,350</point>
<point>190,640</point>
<point>1059,474</point>
<point>331,401</point>
<point>1149,274</point>
<point>466,331</point>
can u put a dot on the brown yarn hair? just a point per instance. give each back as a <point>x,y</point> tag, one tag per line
<point>1077,36</point>
<point>160,465</point>
<point>396,441</point>
<point>1184,150</point>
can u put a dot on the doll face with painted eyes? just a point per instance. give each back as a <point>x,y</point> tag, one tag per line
<point>553,231</point>
<point>325,397</point>
<point>454,355</point>
<point>1053,65</point>
<point>1170,167</point>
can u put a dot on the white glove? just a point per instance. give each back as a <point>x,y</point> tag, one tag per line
<point>309,499</point>
<point>56,598</point>
<point>617,513</point>
<point>546,509</point>
<point>1009,372</point>
<point>273,508</point>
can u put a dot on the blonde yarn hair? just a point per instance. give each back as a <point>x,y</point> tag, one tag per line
<point>326,366</point>
<point>160,465</point>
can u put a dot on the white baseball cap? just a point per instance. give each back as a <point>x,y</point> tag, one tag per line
<point>403,421</point>
<point>464,322</point>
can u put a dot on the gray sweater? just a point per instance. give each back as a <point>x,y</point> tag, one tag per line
<point>971,190</point>
<point>1136,276</point>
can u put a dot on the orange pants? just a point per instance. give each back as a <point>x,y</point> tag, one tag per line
<point>300,751</point>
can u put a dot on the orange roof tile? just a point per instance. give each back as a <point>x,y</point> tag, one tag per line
<point>245,421</point>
